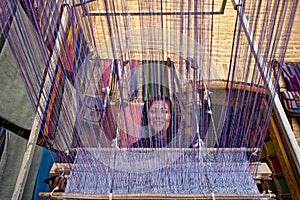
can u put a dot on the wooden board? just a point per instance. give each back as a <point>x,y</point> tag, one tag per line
<point>60,195</point>
<point>260,170</point>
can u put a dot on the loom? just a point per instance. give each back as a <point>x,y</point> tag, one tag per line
<point>88,66</point>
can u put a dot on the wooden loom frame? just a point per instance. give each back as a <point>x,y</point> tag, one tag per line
<point>261,172</point>
<point>20,184</point>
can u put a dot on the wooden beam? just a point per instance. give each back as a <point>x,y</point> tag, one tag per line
<point>260,170</point>
<point>29,152</point>
<point>61,195</point>
<point>59,168</point>
<point>287,131</point>
<point>27,159</point>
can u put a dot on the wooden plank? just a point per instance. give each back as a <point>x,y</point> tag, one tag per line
<point>61,195</point>
<point>235,86</point>
<point>27,159</point>
<point>296,129</point>
<point>59,168</point>
<point>287,131</point>
<point>260,170</point>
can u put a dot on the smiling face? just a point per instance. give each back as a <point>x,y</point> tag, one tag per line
<point>159,115</point>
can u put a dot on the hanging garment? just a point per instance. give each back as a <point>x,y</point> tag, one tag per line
<point>291,102</point>
<point>130,127</point>
<point>290,99</point>
<point>112,72</point>
<point>291,75</point>
<point>53,104</point>
<point>134,78</point>
<point>74,51</point>
<point>11,160</point>
<point>156,79</point>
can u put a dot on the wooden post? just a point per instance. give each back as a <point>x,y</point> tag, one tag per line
<point>29,152</point>
<point>27,159</point>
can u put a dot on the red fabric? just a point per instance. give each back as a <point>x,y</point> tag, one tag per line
<point>106,72</point>
<point>130,126</point>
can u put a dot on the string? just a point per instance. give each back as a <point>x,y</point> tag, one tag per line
<point>84,94</point>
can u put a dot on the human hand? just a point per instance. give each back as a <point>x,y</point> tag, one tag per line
<point>58,183</point>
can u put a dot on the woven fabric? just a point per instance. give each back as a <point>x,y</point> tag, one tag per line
<point>155,82</point>
<point>291,75</point>
<point>74,51</point>
<point>291,102</point>
<point>54,101</point>
<point>188,172</point>
<point>291,98</point>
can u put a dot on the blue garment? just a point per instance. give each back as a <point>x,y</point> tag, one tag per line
<point>47,160</point>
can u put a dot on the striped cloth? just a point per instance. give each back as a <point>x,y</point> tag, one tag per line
<point>53,103</point>
<point>74,51</point>
<point>156,79</point>
<point>294,99</point>
<point>291,98</point>
<point>111,73</point>
<point>291,75</point>
<point>291,102</point>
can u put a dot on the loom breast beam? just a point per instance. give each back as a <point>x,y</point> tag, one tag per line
<point>28,155</point>
<point>277,105</point>
<point>60,195</point>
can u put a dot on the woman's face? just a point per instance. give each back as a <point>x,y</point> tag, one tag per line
<point>159,115</point>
